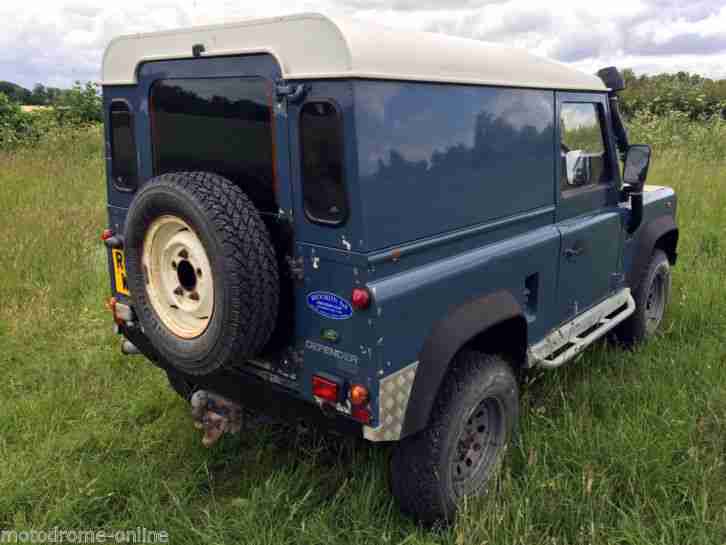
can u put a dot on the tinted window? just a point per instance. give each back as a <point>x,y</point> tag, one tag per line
<point>582,150</point>
<point>322,163</point>
<point>220,125</point>
<point>123,147</point>
<point>433,158</point>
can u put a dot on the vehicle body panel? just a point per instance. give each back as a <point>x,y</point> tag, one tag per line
<point>455,214</point>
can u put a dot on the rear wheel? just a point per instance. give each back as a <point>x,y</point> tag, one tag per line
<point>651,299</point>
<point>460,452</point>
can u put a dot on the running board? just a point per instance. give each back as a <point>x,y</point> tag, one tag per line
<point>572,338</point>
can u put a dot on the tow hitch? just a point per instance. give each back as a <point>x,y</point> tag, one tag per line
<point>215,415</point>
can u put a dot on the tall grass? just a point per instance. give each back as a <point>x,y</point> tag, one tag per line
<point>616,447</point>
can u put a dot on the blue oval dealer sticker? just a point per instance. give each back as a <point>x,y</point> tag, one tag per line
<point>329,305</point>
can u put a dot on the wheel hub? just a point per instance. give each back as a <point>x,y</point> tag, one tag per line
<point>478,445</point>
<point>655,302</point>
<point>179,279</point>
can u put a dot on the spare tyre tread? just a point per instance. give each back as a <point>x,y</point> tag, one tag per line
<point>251,278</point>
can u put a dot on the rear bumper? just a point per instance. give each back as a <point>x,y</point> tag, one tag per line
<point>269,399</point>
<point>259,395</point>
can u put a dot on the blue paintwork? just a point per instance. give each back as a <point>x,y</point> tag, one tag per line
<point>461,154</point>
<point>590,222</point>
<point>453,193</point>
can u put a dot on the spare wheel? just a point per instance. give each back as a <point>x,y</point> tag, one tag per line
<point>202,271</point>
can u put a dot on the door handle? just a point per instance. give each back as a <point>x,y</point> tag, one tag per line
<point>571,253</point>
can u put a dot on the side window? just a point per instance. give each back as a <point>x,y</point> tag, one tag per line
<point>582,151</point>
<point>321,144</point>
<point>123,146</point>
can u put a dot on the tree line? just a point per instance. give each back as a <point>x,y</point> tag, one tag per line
<point>79,106</point>
<point>40,95</point>
<point>690,94</point>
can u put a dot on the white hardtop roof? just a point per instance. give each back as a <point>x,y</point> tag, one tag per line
<point>314,46</point>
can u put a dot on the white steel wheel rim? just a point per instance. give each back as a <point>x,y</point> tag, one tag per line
<point>179,281</point>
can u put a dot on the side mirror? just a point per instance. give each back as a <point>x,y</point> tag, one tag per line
<point>637,161</point>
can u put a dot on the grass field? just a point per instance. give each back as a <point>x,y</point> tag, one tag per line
<point>616,447</point>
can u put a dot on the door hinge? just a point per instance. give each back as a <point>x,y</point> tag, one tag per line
<point>293,92</point>
<point>296,266</point>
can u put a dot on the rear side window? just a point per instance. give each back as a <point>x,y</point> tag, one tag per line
<point>219,125</point>
<point>321,136</point>
<point>582,149</point>
<point>123,147</point>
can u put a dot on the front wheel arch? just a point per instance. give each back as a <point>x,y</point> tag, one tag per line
<point>668,242</point>
<point>660,233</point>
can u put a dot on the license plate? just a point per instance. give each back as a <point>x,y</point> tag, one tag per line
<point>119,271</point>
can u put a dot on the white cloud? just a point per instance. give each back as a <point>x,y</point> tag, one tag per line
<point>57,42</point>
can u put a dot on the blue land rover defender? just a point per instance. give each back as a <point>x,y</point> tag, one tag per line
<point>373,230</point>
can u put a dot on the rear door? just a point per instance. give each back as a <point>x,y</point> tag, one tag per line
<point>223,115</point>
<point>588,215</point>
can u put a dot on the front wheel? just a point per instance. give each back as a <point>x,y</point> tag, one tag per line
<point>651,299</point>
<point>473,420</point>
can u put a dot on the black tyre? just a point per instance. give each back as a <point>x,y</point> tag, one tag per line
<point>202,271</point>
<point>651,299</point>
<point>473,421</point>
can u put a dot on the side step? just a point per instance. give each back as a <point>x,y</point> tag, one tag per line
<point>572,338</point>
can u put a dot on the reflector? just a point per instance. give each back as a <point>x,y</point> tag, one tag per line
<point>360,299</point>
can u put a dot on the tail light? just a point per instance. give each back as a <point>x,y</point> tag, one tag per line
<point>358,394</point>
<point>111,239</point>
<point>324,388</point>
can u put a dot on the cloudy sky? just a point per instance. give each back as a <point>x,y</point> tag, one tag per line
<point>59,41</point>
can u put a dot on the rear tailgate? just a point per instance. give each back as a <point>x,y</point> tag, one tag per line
<point>337,340</point>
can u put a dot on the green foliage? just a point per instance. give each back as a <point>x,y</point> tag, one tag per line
<point>675,134</point>
<point>80,105</point>
<point>72,109</point>
<point>15,126</point>
<point>587,139</point>
<point>45,96</point>
<point>662,94</point>
<point>617,447</point>
<point>15,93</point>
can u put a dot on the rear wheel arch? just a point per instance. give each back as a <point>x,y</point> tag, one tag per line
<point>508,338</point>
<point>494,323</point>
